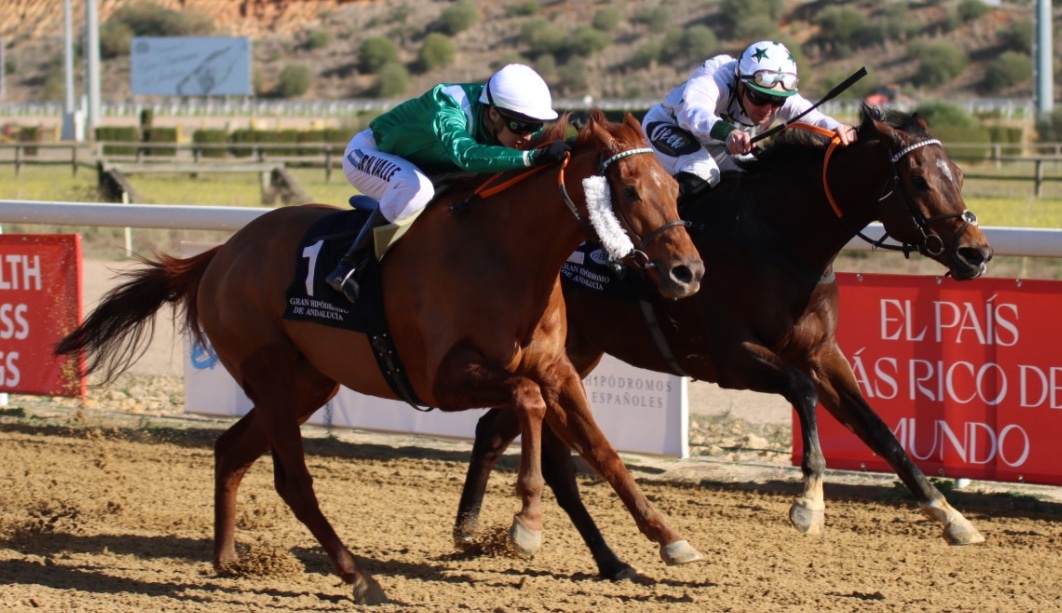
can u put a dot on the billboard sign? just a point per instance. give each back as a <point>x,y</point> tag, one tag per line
<point>40,303</point>
<point>967,375</point>
<point>191,65</point>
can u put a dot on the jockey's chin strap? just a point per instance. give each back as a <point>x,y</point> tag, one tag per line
<point>931,243</point>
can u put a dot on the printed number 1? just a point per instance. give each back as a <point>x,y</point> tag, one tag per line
<point>311,252</point>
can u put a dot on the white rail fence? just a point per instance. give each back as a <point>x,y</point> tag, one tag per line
<point>1007,241</point>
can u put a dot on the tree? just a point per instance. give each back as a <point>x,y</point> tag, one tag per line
<point>375,52</point>
<point>437,51</point>
<point>294,81</point>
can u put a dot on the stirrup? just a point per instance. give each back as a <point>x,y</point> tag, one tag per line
<point>344,281</point>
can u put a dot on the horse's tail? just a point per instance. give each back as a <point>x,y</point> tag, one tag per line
<point>119,330</point>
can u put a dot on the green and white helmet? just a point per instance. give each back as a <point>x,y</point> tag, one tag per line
<point>769,68</point>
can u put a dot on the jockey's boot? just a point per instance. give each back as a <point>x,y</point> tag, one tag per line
<point>344,277</point>
<point>691,187</point>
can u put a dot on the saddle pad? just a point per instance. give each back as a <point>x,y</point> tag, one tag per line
<point>309,298</point>
<point>587,269</point>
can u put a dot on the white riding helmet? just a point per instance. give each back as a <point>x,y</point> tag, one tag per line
<point>769,68</point>
<point>519,90</point>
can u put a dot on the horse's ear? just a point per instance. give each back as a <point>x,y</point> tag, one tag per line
<point>921,121</point>
<point>632,121</point>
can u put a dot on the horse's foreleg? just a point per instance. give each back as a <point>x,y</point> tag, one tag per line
<point>530,408</point>
<point>494,432</point>
<point>559,470</point>
<point>571,419</point>
<point>841,397</point>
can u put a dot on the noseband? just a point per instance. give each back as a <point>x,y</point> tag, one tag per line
<point>638,253</point>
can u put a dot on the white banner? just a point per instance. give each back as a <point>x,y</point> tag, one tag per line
<point>639,410</point>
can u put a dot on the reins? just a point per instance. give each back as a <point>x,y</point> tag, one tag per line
<point>931,243</point>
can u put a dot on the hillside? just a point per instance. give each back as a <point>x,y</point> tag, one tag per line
<point>32,34</point>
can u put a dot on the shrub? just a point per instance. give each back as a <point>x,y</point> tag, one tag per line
<point>647,54</point>
<point>209,136</point>
<point>294,81</point>
<point>658,19</point>
<point>839,27</point>
<point>392,81</point>
<point>1018,36</point>
<point>607,19</point>
<point>130,134</point>
<point>318,39</point>
<point>161,135</point>
<point>939,62</point>
<point>1049,127</point>
<point>938,114</point>
<point>698,42</point>
<point>756,27</point>
<point>969,10</point>
<point>735,12</point>
<point>584,41</point>
<point>524,9</point>
<point>1008,69</point>
<point>437,51</point>
<point>150,19</point>
<point>115,38</point>
<point>375,52</point>
<point>459,17</point>
<point>541,37</point>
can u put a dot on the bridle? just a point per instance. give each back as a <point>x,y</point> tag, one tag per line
<point>930,243</point>
<point>637,254</point>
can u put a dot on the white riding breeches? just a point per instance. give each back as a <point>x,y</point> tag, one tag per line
<point>679,151</point>
<point>402,189</point>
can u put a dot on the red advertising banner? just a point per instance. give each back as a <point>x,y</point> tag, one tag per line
<point>40,302</point>
<point>968,375</point>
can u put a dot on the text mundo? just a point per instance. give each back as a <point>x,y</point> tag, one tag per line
<point>972,442</point>
<point>18,272</point>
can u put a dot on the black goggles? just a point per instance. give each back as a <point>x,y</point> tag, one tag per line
<point>759,99</point>
<point>518,126</point>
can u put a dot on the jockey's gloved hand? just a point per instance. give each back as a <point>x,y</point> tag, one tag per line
<point>552,153</point>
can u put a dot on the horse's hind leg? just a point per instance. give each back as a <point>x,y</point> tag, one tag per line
<point>234,453</point>
<point>841,397</point>
<point>286,390</point>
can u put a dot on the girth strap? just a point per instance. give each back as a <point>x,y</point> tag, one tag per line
<point>383,347</point>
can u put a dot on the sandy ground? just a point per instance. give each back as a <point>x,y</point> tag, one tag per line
<point>107,507</point>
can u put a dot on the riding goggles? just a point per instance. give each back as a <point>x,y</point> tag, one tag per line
<point>770,78</point>
<point>759,99</point>
<point>519,126</point>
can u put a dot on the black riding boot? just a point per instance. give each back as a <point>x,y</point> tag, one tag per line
<point>690,187</point>
<point>344,277</point>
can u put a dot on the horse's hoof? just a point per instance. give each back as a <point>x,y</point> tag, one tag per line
<point>628,573</point>
<point>805,519</point>
<point>679,552</point>
<point>962,533</point>
<point>368,592</point>
<point>525,540</point>
<point>464,536</point>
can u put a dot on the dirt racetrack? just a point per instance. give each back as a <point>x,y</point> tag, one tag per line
<point>107,507</point>
<point>111,512</point>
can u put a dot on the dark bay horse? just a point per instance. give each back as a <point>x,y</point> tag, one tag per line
<point>473,304</point>
<point>766,316</point>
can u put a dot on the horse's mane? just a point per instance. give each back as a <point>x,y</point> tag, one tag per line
<point>794,146</point>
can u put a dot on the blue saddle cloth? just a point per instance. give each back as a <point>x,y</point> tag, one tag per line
<point>309,298</point>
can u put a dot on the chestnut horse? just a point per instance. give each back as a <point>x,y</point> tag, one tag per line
<point>766,316</point>
<point>474,307</point>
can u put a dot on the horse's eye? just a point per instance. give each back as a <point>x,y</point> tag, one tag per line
<point>630,192</point>
<point>920,182</point>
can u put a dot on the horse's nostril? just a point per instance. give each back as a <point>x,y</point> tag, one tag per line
<point>682,274</point>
